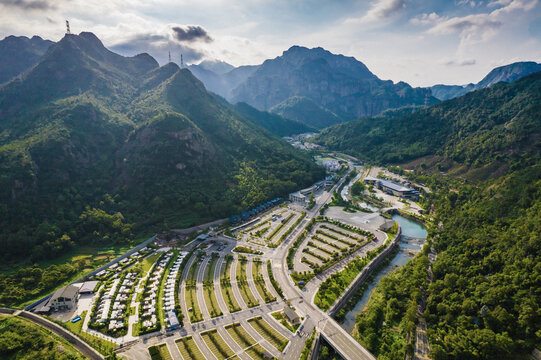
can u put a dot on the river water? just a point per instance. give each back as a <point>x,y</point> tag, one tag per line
<point>413,238</point>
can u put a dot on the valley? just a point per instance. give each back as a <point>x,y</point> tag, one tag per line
<point>299,208</point>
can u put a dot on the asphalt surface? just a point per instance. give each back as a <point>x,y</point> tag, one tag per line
<point>313,317</point>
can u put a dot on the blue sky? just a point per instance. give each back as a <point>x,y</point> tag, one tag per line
<point>418,41</point>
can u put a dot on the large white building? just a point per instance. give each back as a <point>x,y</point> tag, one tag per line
<point>392,188</point>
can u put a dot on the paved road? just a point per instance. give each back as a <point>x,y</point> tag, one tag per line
<point>348,347</point>
<point>200,289</point>
<point>217,286</point>
<point>73,339</point>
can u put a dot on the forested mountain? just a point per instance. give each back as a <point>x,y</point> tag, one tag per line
<point>484,129</point>
<point>272,122</point>
<point>507,73</point>
<point>19,53</point>
<point>484,298</point>
<point>96,148</point>
<point>306,111</point>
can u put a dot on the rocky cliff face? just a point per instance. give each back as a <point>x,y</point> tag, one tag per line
<point>340,84</point>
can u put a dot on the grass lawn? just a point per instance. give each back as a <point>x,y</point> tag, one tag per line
<point>188,349</point>
<point>225,287</point>
<point>242,283</point>
<point>159,352</point>
<point>22,339</point>
<point>260,283</point>
<point>268,332</point>
<point>211,301</point>
<point>240,335</point>
<point>191,302</point>
<point>256,352</point>
<point>149,261</point>
<point>217,345</point>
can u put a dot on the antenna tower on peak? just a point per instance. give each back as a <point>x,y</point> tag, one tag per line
<point>169,55</point>
<point>68,31</point>
<point>181,62</point>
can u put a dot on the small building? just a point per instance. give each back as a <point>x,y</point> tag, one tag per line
<point>63,299</point>
<point>172,319</point>
<point>202,237</point>
<point>88,287</point>
<point>297,197</point>
<point>291,315</point>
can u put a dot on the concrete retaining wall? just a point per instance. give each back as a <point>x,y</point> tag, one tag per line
<point>314,352</point>
<point>363,275</point>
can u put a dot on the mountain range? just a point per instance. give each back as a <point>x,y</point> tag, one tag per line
<point>19,53</point>
<point>312,86</point>
<point>506,73</point>
<point>87,133</point>
<point>482,134</point>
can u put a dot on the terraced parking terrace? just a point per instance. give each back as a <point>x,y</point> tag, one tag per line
<point>242,283</point>
<point>190,285</point>
<point>272,228</point>
<point>325,243</point>
<point>225,285</point>
<point>269,333</point>
<point>246,342</point>
<point>208,287</point>
<point>222,297</point>
<point>189,349</point>
<point>217,345</point>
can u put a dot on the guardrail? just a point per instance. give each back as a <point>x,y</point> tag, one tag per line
<point>363,275</point>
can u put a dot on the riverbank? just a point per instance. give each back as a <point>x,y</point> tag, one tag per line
<point>410,244</point>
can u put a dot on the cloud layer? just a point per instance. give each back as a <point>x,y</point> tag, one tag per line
<point>191,33</point>
<point>419,41</point>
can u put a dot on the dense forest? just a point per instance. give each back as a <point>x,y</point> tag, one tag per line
<point>100,149</point>
<point>490,130</point>
<point>480,154</point>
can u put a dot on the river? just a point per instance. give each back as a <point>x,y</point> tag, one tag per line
<point>413,238</point>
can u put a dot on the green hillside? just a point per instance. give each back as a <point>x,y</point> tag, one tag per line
<point>274,123</point>
<point>97,148</point>
<point>306,111</point>
<point>484,299</point>
<point>493,127</point>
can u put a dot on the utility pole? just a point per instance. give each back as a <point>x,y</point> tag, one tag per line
<point>181,61</point>
<point>68,27</point>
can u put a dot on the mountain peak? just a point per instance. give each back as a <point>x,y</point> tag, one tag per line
<point>217,66</point>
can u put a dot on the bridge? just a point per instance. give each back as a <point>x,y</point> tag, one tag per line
<point>343,343</point>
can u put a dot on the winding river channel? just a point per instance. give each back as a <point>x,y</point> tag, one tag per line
<point>413,238</point>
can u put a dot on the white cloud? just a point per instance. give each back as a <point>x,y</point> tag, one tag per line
<point>499,3</point>
<point>381,9</point>
<point>426,19</point>
<point>457,62</point>
<point>479,27</point>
